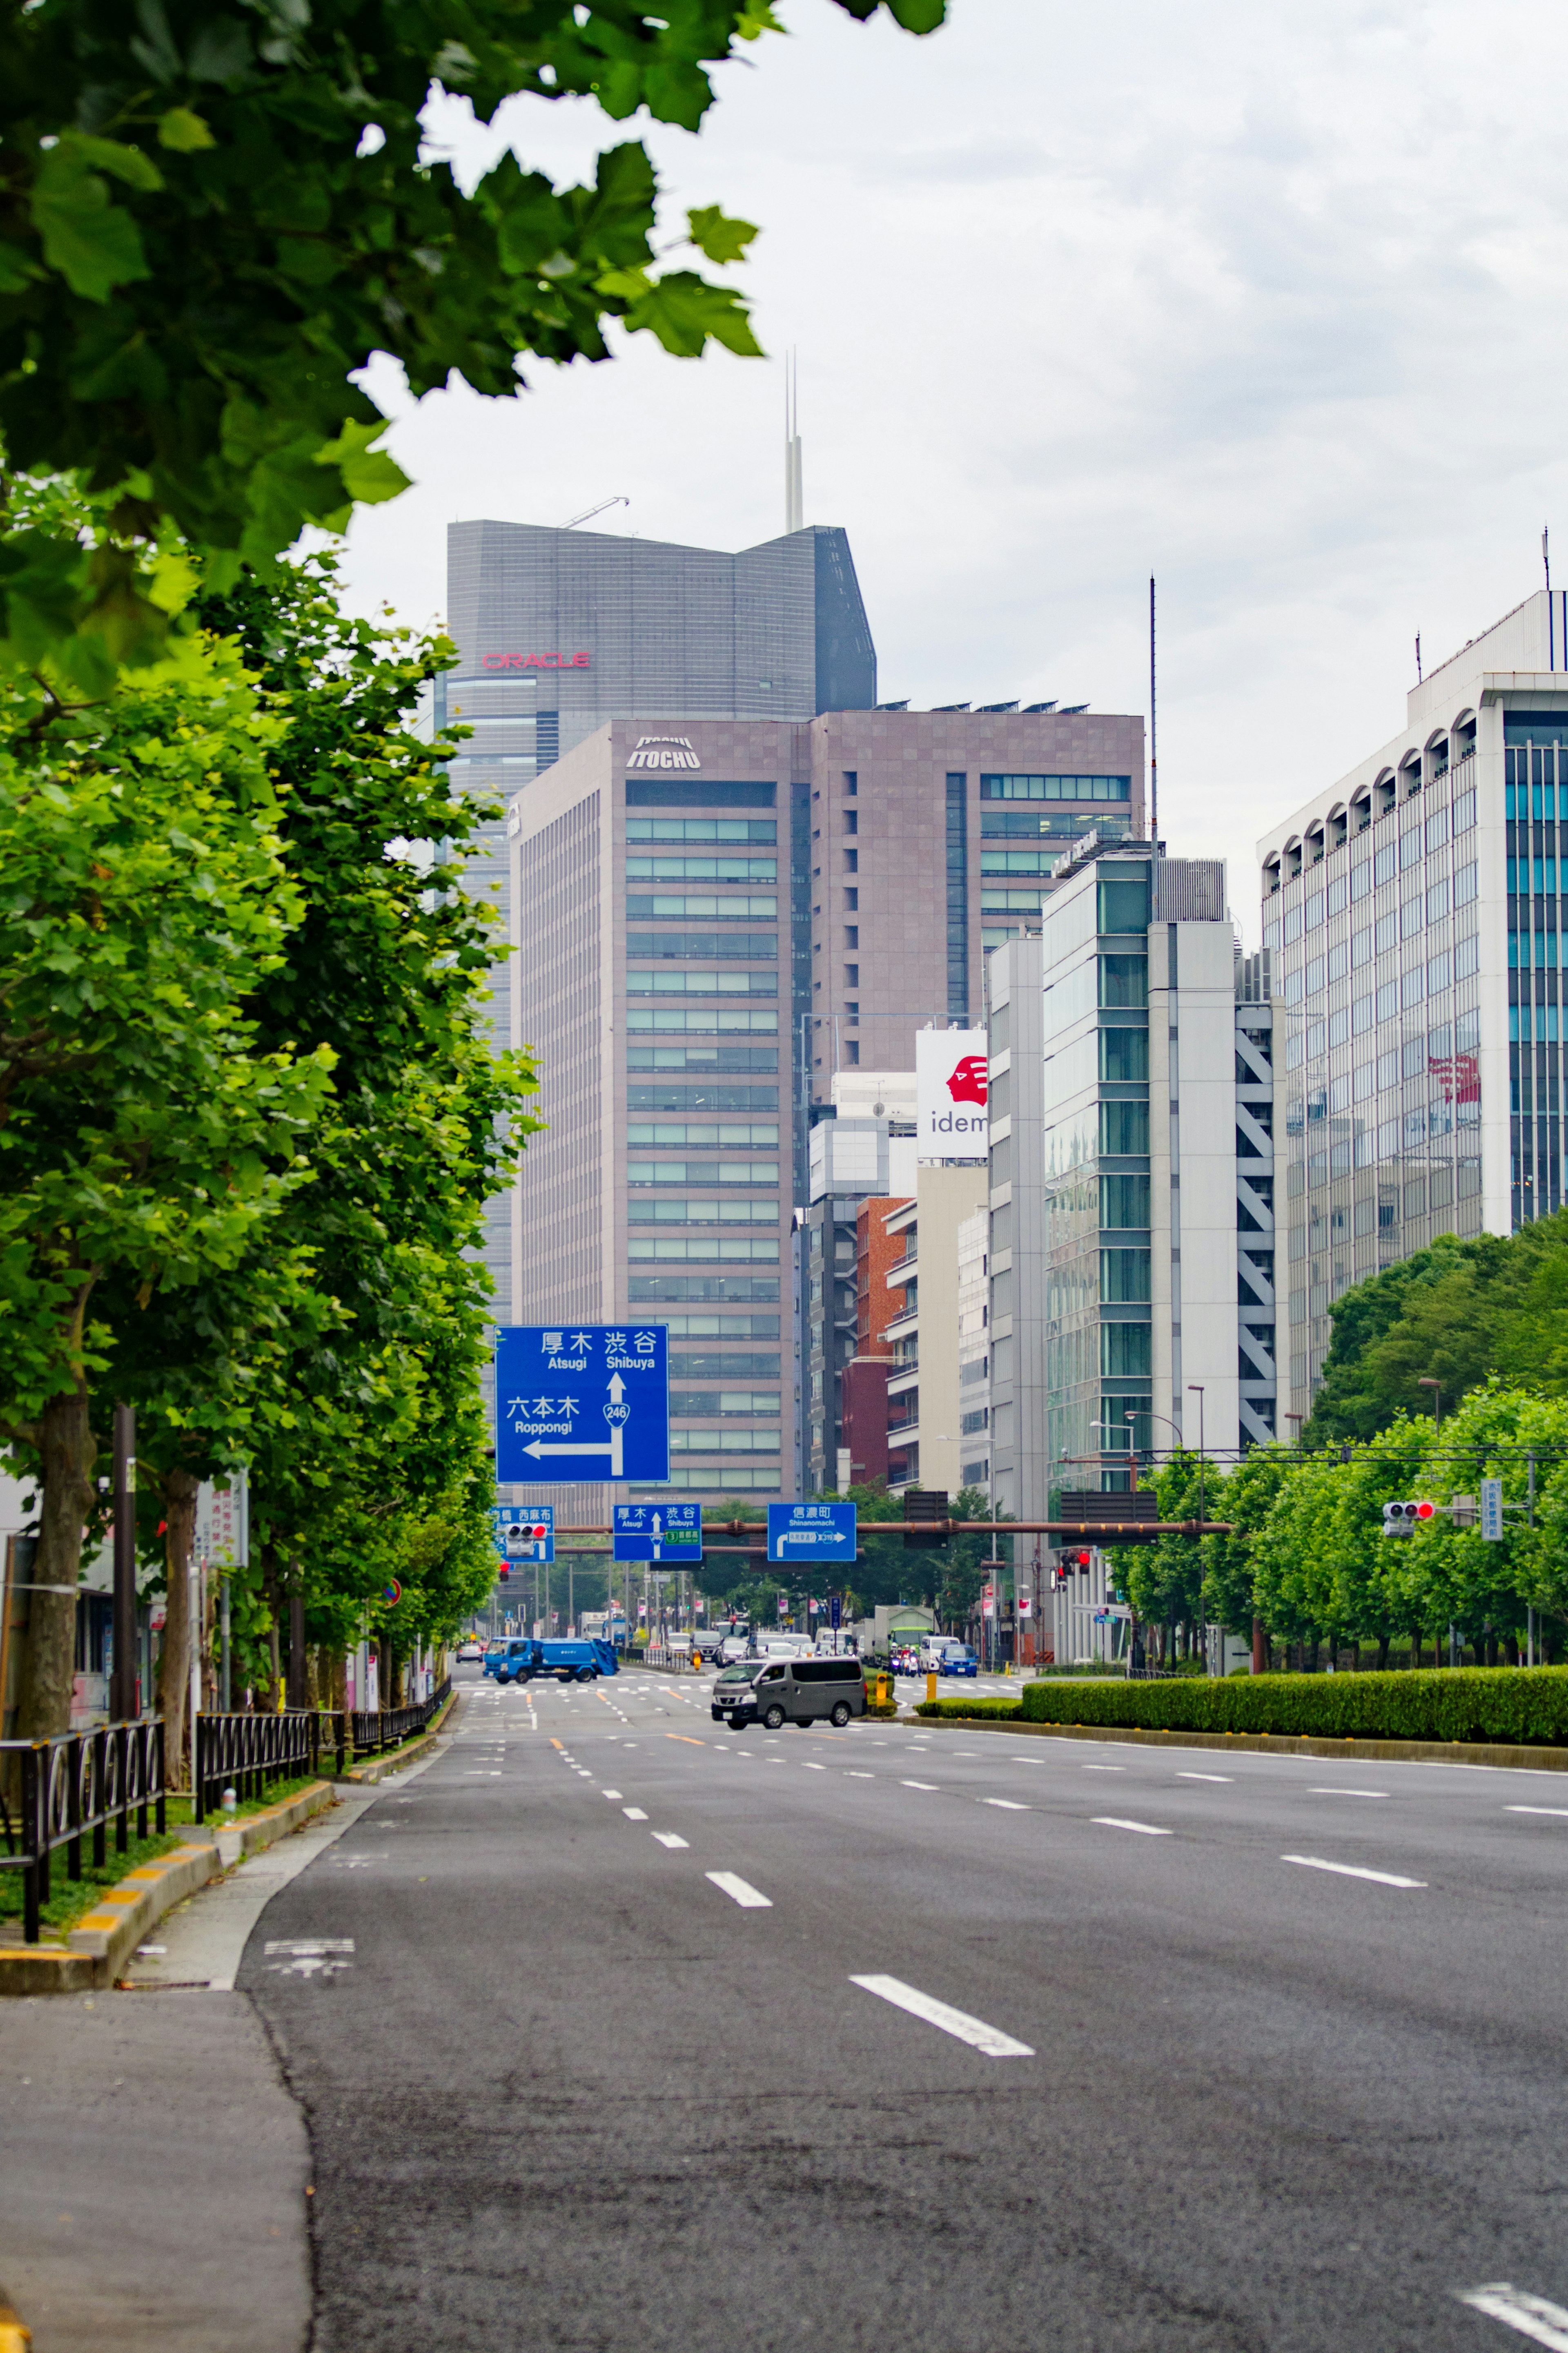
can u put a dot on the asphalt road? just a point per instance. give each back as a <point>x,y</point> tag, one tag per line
<point>1250,2053</point>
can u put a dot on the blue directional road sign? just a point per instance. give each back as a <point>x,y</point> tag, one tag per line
<point>1491,1511</point>
<point>524,1531</point>
<point>583,1401</point>
<point>811,1531</point>
<point>671,1532</point>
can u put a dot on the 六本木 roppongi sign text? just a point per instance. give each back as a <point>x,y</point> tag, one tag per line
<point>952,1089</point>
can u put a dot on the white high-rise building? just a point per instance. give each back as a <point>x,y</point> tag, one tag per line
<point>1411,915</point>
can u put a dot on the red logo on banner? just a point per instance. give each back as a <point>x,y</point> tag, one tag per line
<point>537,661</point>
<point>968,1082</point>
<point>1458,1075</point>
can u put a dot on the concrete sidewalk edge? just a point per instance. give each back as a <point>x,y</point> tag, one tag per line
<point>102,1940</point>
<point>376,1769</point>
<point>1273,1744</point>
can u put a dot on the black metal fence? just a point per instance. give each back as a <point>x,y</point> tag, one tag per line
<point>243,1753</point>
<point>374,1730</point>
<point>56,1793</point>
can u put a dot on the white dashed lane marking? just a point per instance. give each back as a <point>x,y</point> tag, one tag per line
<point>670,1838</point>
<point>1150,1829</point>
<point>634,1813</point>
<point>1352,1871</point>
<point>1009,1805</point>
<point>739,1890</point>
<point>990,2040</point>
<point>1547,2324</point>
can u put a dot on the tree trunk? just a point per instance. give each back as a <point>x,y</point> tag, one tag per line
<point>298,1680</point>
<point>266,1697</point>
<point>1382,1652</point>
<point>179,1497</point>
<point>1260,1646</point>
<point>66,1452</point>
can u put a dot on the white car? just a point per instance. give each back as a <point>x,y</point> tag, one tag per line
<point>467,1650</point>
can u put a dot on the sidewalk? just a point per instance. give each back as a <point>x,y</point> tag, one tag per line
<point>156,2160</point>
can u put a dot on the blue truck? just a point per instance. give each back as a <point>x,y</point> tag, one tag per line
<point>519,1658</point>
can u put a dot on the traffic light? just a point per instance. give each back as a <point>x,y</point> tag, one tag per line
<point>503,1573</point>
<point>1400,1519</point>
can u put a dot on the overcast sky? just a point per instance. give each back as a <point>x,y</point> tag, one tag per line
<point>1269,306</point>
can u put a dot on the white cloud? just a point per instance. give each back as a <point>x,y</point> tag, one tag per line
<point>1272,306</point>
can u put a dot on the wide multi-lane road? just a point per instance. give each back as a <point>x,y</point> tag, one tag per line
<point>616,2028</point>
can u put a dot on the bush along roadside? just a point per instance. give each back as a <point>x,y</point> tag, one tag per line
<point>1520,1706</point>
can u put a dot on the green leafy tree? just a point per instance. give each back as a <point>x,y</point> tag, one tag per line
<point>147,1132</point>
<point>1245,1499</point>
<point>211,219</point>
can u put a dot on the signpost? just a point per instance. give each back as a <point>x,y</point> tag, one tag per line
<point>659,1532</point>
<point>811,1531</point>
<point>589,1401</point>
<point>524,1531</point>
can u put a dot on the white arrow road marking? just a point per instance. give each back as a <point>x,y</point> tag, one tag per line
<point>1352,1871</point>
<point>739,1890</point>
<point>974,2031</point>
<point>1009,1805</point>
<point>1530,2314</point>
<point>1113,1822</point>
<point>669,1837</point>
<point>634,1813</point>
<point>1562,1811</point>
<point>310,1956</point>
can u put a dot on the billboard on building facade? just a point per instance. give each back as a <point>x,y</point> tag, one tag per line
<point>951,1089</point>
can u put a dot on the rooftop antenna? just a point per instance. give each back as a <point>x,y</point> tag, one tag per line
<point>1153,738</point>
<point>1417,657</point>
<point>795,497</point>
<point>589,513</point>
<point>1546,558</point>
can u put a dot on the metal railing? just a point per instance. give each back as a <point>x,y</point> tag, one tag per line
<point>374,1730</point>
<point>73,1787</point>
<point>243,1753</point>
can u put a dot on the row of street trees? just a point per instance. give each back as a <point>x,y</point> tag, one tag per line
<point>248,1120</point>
<point>1307,1558</point>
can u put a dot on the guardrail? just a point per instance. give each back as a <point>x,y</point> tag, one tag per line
<point>71,1787</point>
<point>374,1730</point>
<point>243,1753</point>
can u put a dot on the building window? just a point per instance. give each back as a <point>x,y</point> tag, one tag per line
<point>851,935</point>
<point>958,898</point>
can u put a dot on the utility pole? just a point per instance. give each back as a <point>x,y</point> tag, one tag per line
<point>123,1706</point>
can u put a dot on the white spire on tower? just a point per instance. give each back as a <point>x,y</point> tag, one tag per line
<point>795,496</point>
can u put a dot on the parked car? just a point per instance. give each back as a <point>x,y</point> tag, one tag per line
<point>776,1691</point>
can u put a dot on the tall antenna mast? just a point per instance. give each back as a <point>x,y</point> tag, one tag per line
<point>1153,737</point>
<point>795,497</point>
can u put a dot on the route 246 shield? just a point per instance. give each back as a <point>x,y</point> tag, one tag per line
<point>585,1402</point>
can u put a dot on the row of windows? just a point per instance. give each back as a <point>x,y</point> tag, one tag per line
<point>681,1131</point>
<point>1413,1132</point>
<point>719,1247</point>
<point>722,1365</point>
<point>759,947</point>
<point>747,1210</point>
<point>702,984</point>
<point>1395,856</point>
<point>1392,997</point>
<point>1056,788</point>
<point>716,1017</point>
<point>702,1057</point>
<point>702,1172</point>
<point>724,1441</point>
<point>1447,1053</point>
<point>722,1327</point>
<point>1403,923</point>
<point>702,870</point>
<point>655,1290</point>
<point>702,829</point>
<point>688,904</point>
<point>721,1401</point>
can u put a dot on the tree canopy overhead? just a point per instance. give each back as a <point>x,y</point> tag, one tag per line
<point>211,218</point>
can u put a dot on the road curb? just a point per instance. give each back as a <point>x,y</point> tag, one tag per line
<point>365,1776</point>
<point>1276,1744</point>
<point>98,1948</point>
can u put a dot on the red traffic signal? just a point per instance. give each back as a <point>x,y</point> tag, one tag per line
<point>1398,1519</point>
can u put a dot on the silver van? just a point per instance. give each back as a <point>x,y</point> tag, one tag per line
<point>774,1691</point>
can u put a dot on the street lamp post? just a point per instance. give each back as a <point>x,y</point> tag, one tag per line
<point>1427,1382</point>
<point>1203,1514</point>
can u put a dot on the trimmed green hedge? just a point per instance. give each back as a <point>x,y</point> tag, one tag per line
<point>1521,1707</point>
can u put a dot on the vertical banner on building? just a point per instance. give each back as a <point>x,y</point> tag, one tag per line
<point>951,1090</point>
